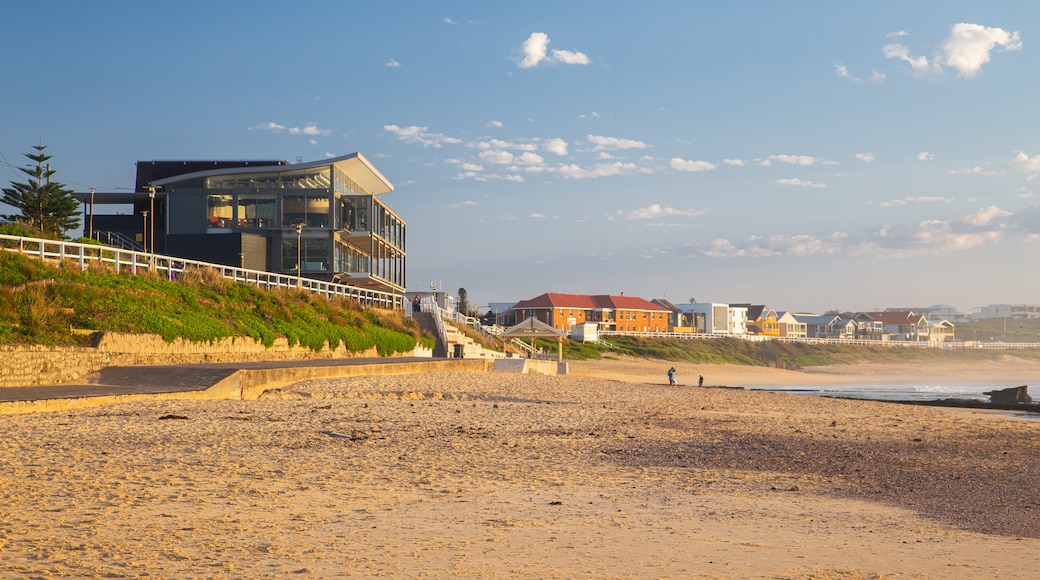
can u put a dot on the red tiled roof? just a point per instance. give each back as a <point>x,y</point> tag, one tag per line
<point>588,302</point>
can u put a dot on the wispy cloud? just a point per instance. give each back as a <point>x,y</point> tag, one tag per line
<point>420,135</point>
<point>494,124</point>
<point>985,226</point>
<point>311,130</point>
<point>925,156</point>
<point>599,170</point>
<point>915,199</point>
<point>800,183</point>
<point>656,210</point>
<point>875,76</point>
<point>600,143</point>
<point>392,63</point>
<point>865,157</point>
<point>794,159</point>
<point>734,162</point>
<point>535,51</point>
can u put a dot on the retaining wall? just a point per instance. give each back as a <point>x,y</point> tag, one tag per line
<point>25,366</point>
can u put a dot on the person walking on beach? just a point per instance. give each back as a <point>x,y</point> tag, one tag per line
<point>671,376</point>
<point>700,380</point>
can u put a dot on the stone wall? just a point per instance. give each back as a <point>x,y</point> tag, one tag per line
<point>22,366</point>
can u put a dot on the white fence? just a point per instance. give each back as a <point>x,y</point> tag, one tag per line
<point>844,341</point>
<point>137,262</point>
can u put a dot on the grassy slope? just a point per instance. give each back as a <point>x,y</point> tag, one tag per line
<point>780,354</point>
<point>43,304</point>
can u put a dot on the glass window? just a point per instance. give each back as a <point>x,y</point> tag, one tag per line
<point>313,255</point>
<point>219,211</point>
<point>256,210</point>
<point>310,211</point>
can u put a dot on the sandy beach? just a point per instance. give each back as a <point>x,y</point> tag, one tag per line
<point>604,473</point>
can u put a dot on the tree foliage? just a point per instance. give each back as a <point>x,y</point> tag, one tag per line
<point>44,205</point>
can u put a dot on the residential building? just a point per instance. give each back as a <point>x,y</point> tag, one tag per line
<point>824,326</point>
<point>610,313</point>
<point>1012,311</point>
<point>720,318</point>
<point>789,326</point>
<point>901,325</point>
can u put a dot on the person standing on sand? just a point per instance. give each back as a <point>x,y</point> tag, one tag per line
<point>671,376</point>
<point>700,380</point>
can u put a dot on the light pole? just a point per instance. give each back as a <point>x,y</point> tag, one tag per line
<point>90,234</point>
<point>151,196</point>
<point>144,226</point>
<point>299,254</point>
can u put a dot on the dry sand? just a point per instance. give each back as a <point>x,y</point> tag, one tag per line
<point>605,473</point>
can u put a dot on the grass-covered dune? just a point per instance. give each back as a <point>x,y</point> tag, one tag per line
<point>45,304</point>
<point>780,354</point>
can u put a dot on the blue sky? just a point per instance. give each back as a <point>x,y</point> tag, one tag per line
<point>804,155</point>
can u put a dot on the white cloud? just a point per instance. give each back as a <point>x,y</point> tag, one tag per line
<point>977,170</point>
<point>573,171</point>
<point>528,158</point>
<point>601,143</point>
<point>420,135</point>
<point>919,65</point>
<point>501,144</point>
<point>537,216</point>
<point>655,211</point>
<point>568,57</point>
<point>1023,162</point>
<point>392,63</point>
<point>557,146</point>
<point>680,164</point>
<point>987,216</point>
<point>449,21</point>
<point>313,141</point>
<point>794,159</point>
<point>801,183</point>
<point>471,167</point>
<point>865,157</point>
<point>535,51</point>
<point>969,46</point>
<point>269,126</point>
<point>916,199</point>
<point>309,130</point>
<point>925,156</point>
<point>734,162</point>
<point>966,49</point>
<point>497,157</point>
<point>312,130</point>
<point>494,124</point>
<point>843,72</point>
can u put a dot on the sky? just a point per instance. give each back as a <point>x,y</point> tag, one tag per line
<point>808,156</point>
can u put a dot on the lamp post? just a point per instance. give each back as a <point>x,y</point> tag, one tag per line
<point>90,234</point>
<point>151,196</point>
<point>299,254</point>
<point>144,227</point>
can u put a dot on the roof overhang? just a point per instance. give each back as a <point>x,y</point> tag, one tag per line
<point>355,165</point>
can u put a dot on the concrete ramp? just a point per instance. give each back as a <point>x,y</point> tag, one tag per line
<point>528,366</point>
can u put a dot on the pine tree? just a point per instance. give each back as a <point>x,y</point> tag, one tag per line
<point>43,204</point>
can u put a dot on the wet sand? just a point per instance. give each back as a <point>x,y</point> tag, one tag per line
<point>607,472</point>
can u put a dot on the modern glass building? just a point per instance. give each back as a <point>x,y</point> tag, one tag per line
<point>321,219</point>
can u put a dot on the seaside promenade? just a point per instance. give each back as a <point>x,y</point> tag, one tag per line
<point>245,380</point>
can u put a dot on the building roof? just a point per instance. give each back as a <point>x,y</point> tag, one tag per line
<point>896,317</point>
<point>588,302</point>
<point>355,165</point>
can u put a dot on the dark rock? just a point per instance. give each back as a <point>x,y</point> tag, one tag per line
<point>1010,395</point>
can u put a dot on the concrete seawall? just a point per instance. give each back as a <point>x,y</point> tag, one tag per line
<point>240,384</point>
<point>23,366</point>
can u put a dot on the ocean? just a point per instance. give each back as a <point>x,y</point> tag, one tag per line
<point>887,392</point>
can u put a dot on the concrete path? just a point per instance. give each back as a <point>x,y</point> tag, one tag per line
<point>211,381</point>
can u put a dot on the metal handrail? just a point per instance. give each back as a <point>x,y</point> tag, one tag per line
<point>137,262</point>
